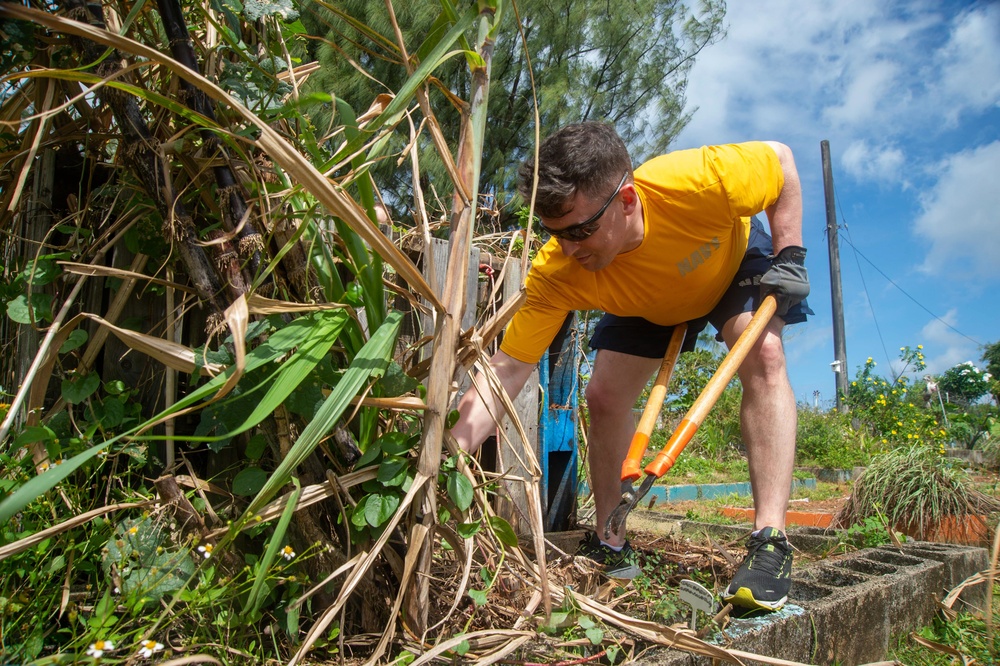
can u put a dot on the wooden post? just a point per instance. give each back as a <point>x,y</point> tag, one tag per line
<point>510,449</point>
<point>836,291</point>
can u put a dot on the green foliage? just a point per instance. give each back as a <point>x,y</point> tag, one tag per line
<point>871,532</point>
<point>970,634</point>
<point>891,412</point>
<point>965,383</point>
<point>630,65</point>
<point>913,488</point>
<point>827,439</point>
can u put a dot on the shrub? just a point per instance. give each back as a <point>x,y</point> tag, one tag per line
<point>826,439</point>
<point>913,488</point>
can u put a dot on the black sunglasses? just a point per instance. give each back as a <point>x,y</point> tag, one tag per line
<point>583,230</point>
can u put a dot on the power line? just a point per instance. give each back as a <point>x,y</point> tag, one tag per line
<point>903,291</point>
<point>871,305</point>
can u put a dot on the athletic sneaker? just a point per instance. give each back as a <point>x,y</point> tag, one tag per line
<point>763,580</point>
<point>623,564</point>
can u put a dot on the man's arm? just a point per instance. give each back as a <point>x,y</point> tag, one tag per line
<point>787,278</point>
<point>784,216</point>
<point>478,406</point>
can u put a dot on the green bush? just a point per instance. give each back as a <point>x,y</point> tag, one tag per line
<point>826,439</point>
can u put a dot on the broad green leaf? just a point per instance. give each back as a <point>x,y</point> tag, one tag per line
<point>478,596</point>
<point>312,346</point>
<point>256,447</point>
<point>370,360</point>
<point>396,443</point>
<point>37,433</point>
<point>392,471</point>
<point>76,391</point>
<point>19,310</point>
<point>468,530</point>
<point>396,382</point>
<point>249,481</point>
<point>380,508</point>
<point>462,648</point>
<point>460,490</point>
<point>77,338</point>
<point>503,531</point>
<point>595,635</point>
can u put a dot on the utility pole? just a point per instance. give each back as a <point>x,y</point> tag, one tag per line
<point>836,292</point>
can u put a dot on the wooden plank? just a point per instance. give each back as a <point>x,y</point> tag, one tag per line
<point>514,503</point>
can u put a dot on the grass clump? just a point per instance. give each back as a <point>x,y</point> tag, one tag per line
<point>913,489</point>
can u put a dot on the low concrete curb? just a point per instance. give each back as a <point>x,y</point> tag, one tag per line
<point>845,610</point>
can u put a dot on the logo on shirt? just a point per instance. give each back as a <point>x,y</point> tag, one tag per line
<point>698,257</point>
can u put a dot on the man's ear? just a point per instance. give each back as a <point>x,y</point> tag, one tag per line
<point>629,197</point>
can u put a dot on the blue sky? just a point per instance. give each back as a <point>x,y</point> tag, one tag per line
<point>908,95</point>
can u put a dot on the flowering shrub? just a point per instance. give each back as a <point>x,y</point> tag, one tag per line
<point>965,383</point>
<point>891,411</point>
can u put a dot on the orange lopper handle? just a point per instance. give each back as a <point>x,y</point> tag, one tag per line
<point>637,449</point>
<point>665,459</point>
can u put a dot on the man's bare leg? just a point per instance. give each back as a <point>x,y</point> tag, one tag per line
<point>768,420</point>
<point>614,386</point>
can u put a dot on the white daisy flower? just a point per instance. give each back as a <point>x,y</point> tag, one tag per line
<point>287,553</point>
<point>98,648</point>
<point>147,648</point>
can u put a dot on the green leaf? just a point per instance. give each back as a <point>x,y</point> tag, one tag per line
<point>478,596</point>
<point>35,434</point>
<point>396,382</point>
<point>257,592</point>
<point>595,635</point>
<point>44,270</point>
<point>380,509</point>
<point>392,471</point>
<point>369,456</point>
<point>19,310</point>
<point>110,412</point>
<point>460,490</point>
<point>462,648</point>
<point>76,339</point>
<point>249,481</point>
<point>503,531</point>
<point>256,446</point>
<point>77,391</point>
<point>468,530</point>
<point>396,443</point>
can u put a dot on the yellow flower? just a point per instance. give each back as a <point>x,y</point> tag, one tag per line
<point>133,530</point>
<point>920,346</point>
<point>206,550</point>
<point>893,432</point>
<point>287,553</point>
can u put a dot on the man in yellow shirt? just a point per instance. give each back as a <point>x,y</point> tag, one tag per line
<point>673,242</point>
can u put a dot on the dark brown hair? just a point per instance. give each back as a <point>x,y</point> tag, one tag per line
<point>586,157</point>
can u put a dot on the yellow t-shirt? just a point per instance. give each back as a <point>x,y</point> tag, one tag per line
<point>696,207</point>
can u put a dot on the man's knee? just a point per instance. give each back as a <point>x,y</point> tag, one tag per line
<point>766,360</point>
<point>603,400</point>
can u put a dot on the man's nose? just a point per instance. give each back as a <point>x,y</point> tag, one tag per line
<point>568,247</point>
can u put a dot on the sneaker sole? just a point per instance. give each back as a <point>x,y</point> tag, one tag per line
<point>744,599</point>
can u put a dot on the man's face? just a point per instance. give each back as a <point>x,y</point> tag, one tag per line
<point>606,221</point>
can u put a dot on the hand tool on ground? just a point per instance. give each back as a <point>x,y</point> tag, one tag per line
<point>689,425</point>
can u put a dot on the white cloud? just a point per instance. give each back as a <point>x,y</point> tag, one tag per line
<point>882,164</point>
<point>970,71</point>
<point>961,216</point>
<point>846,70</point>
<point>943,346</point>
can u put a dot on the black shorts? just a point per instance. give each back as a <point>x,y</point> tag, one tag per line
<point>639,337</point>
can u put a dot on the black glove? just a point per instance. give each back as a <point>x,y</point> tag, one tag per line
<point>787,278</point>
